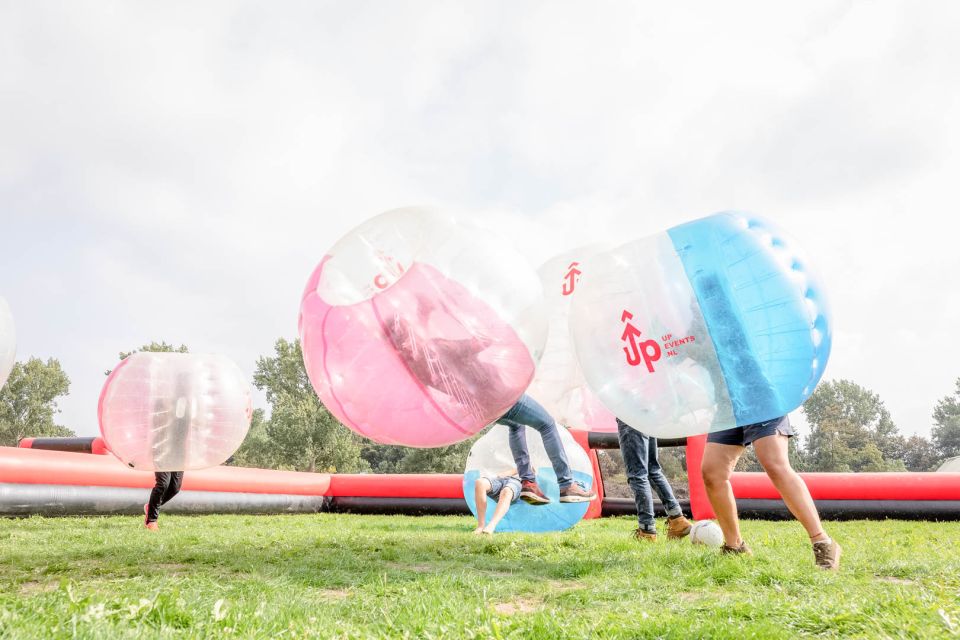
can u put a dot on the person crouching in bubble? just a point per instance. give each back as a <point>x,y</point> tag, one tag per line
<point>504,490</point>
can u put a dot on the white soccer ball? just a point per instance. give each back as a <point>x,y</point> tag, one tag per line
<point>706,532</point>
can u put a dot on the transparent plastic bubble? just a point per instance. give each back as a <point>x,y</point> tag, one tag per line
<point>8,342</point>
<point>420,330</point>
<point>715,323</point>
<point>490,457</point>
<point>559,384</point>
<point>174,411</point>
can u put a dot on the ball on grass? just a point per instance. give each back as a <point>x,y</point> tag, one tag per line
<point>706,532</point>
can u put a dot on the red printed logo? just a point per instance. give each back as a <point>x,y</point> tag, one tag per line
<point>393,268</point>
<point>647,351</point>
<point>570,280</point>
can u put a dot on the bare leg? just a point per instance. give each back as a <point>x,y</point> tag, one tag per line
<point>503,505</point>
<point>718,463</point>
<point>480,488</point>
<point>772,454</point>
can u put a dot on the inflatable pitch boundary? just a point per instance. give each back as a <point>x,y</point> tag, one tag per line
<point>77,500</point>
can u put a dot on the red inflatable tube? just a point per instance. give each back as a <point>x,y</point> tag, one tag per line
<point>424,485</point>
<point>595,510</point>
<point>856,486</point>
<point>35,466</point>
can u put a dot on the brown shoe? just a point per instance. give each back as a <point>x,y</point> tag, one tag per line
<point>644,536</point>
<point>576,493</point>
<point>531,494</point>
<point>678,527</point>
<point>827,554</point>
<point>742,549</point>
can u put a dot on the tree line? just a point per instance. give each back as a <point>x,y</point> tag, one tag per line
<point>850,428</point>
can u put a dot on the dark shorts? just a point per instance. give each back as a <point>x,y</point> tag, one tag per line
<point>744,436</point>
<point>497,484</point>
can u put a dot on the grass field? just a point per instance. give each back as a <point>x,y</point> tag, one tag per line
<point>339,576</point>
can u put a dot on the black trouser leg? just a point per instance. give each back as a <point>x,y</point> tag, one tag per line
<point>160,489</point>
<point>176,479</point>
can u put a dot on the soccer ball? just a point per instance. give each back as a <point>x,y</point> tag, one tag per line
<point>706,532</point>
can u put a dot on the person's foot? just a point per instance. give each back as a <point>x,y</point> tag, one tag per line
<point>827,554</point>
<point>153,526</point>
<point>678,527</point>
<point>531,494</point>
<point>478,531</point>
<point>644,535</point>
<point>487,531</point>
<point>576,492</point>
<point>739,550</point>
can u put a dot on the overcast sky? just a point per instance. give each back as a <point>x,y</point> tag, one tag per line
<point>174,171</point>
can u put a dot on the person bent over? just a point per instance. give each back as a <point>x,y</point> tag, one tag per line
<point>527,412</point>
<point>770,441</point>
<point>643,471</point>
<point>166,487</point>
<point>504,490</point>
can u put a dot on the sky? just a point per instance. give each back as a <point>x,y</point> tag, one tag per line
<point>174,171</point>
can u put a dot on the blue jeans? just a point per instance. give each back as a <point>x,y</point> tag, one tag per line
<point>643,469</point>
<point>527,412</point>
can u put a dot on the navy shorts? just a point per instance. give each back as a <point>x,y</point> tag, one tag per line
<point>499,483</point>
<point>745,436</point>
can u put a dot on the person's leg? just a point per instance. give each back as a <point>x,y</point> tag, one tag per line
<point>772,454</point>
<point>719,461</point>
<point>659,481</point>
<point>176,480</point>
<point>633,446</point>
<point>156,496</point>
<point>480,488</point>
<point>503,505</point>
<point>531,413</point>
<point>520,451</point>
<point>677,525</point>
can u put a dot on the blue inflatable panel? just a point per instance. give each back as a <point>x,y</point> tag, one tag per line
<point>765,311</point>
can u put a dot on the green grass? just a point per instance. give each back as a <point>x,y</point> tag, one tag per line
<point>338,576</point>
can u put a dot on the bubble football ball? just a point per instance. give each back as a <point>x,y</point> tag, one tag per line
<point>8,342</point>
<point>490,456</point>
<point>419,330</point>
<point>706,532</point>
<point>715,323</point>
<point>174,411</point>
<point>559,384</point>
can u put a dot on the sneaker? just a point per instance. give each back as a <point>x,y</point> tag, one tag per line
<point>742,549</point>
<point>531,494</point>
<point>678,527</point>
<point>827,554</point>
<point>645,536</point>
<point>153,526</point>
<point>576,493</point>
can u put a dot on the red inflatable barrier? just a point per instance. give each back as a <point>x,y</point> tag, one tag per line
<point>36,466</point>
<point>856,486</point>
<point>424,485</point>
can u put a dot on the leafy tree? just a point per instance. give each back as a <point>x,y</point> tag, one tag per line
<point>920,454</point>
<point>946,430</point>
<point>303,434</point>
<point>257,449</point>
<point>156,347</point>
<point>28,402</point>
<point>851,430</point>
